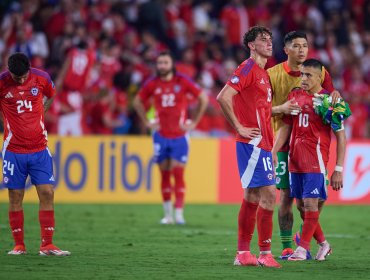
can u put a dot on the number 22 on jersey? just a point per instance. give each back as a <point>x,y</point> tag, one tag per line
<point>168,100</point>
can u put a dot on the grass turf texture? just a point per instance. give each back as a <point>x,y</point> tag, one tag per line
<point>126,242</point>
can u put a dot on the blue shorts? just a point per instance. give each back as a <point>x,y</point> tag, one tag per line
<point>170,148</point>
<point>16,168</point>
<point>307,185</point>
<point>255,166</point>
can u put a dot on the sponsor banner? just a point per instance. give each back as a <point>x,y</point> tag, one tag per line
<point>121,169</point>
<point>356,174</point>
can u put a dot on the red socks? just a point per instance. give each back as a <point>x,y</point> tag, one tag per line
<point>310,223</point>
<point>16,221</point>
<point>264,227</point>
<point>47,224</point>
<point>319,234</point>
<point>246,224</point>
<point>178,173</point>
<point>166,185</point>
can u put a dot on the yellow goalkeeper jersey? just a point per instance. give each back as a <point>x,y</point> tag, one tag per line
<point>283,80</point>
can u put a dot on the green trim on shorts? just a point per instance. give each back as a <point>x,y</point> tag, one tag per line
<point>281,171</point>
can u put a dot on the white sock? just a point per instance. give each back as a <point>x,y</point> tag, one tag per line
<point>167,207</point>
<point>179,213</point>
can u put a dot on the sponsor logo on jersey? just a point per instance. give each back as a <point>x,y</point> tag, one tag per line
<point>262,81</point>
<point>21,92</point>
<point>52,178</point>
<point>267,241</point>
<point>9,95</point>
<point>234,80</point>
<point>157,91</point>
<point>6,180</point>
<point>34,91</point>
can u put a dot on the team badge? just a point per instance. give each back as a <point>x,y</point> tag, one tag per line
<point>278,180</point>
<point>234,80</point>
<point>34,91</point>
<point>269,176</point>
<point>176,88</point>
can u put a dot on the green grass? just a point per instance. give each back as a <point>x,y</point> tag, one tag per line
<point>126,242</point>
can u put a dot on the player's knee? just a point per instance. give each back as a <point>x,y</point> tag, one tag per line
<point>46,194</point>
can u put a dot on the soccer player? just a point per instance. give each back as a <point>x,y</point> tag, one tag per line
<point>169,92</point>
<point>284,77</point>
<point>308,157</point>
<point>25,94</point>
<point>72,83</point>
<point>246,102</point>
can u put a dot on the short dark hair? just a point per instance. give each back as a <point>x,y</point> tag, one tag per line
<point>252,34</point>
<point>289,37</point>
<point>18,64</point>
<point>314,63</point>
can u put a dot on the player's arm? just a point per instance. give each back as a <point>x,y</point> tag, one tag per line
<point>62,73</point>
<point>327,84</point>
<point>47,103</point>
<point>290,107</point>
<point>282,137</point>
<point>336,179</point>
<point>225,99</point>
<point>140,110</point>
<point>203,102</point>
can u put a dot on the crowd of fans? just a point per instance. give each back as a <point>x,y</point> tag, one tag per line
<point>125,36</point>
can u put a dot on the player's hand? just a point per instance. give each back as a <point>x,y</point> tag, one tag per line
<point>317,100</point>
<point>152,124</point>
<point>291,107</point>
<point>335,97</point>
<point>248,132</point>
<point>274,158</point>
<point>336,180</point>
<point>188,125</point>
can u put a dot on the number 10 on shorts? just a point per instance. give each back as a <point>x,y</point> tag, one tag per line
<point>267,163</point>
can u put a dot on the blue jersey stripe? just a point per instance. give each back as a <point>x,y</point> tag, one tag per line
<point>41,73</point>
<point>247,68</point>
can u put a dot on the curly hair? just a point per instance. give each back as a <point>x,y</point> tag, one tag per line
<point>252,34</point>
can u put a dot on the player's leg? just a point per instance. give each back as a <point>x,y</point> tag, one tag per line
<point>324,246</point>
<point>179,150</point>
<point>256,173</point>
<point>312,191</point>
<point>285,213</point>
<point>40,168</point>
<point>16,220</point>
<point>161,157</point>
<point>166,190</point>
<point>247,159</point>
<point>14,178</point>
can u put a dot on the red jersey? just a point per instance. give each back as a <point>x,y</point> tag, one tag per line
<point>81,62</point>
<point>23,111</point>
<point>310,138</point>
<point>170,102</point>
<point>252,104</point>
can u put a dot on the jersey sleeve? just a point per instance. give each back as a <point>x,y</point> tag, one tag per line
<point>146,91</point>
<point>192,88</point>
<point>49,87</point>
<point>327,82</point>
<point>242,77</point>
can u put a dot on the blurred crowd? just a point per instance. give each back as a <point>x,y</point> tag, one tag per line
<point>113,45</point>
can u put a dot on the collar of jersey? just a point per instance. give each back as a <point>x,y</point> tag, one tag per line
<point>290,71</point>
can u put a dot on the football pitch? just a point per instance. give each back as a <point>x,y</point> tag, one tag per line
<point>126,242</point>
